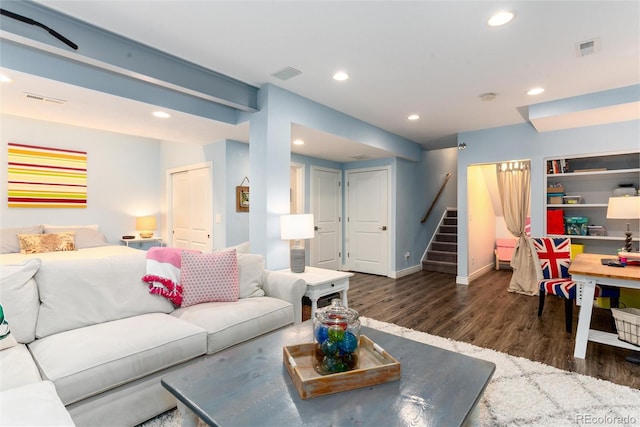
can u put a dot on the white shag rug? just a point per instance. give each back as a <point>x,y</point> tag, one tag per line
<point>521,392</point>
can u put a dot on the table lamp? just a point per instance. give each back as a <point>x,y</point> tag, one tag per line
<point>297,227</point>
<point>145,225</point>
<point>624,207</point>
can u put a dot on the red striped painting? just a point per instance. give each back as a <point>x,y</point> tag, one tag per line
<point>42,177</point>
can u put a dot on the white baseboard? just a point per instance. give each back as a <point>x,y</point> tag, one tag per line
<point>405,272</point>
<point>484,270</point>
<point>462,280</point>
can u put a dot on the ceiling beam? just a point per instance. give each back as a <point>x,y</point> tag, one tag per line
<point>106,52</point>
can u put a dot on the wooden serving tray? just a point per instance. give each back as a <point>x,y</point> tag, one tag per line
<point>376,366</point>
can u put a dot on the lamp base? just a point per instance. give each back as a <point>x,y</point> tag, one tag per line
<point>297,259</point>
<point>146,234</point>
<point>627,242</point>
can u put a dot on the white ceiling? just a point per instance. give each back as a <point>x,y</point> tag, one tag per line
<point>434,58</point>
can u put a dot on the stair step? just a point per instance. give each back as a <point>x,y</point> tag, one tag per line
<point>449,229</point>
<point>452,213</point>
<point>445,246</point>
<point>451,257</point>
<point>440,266</point>
<point>450,221</point>
<point>446,237</point>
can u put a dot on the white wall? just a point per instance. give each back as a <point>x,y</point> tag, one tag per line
<point>123,178</point>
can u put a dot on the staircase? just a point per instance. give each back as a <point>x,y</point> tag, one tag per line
<point>442,255</point>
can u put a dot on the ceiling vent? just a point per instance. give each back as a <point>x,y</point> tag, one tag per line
<point>588,47</point>
<point>43,98</point>
<point>361,157</point>
<point>489,96</point>
<point>286,73</point>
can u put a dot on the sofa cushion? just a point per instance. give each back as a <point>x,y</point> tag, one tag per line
<point>209,277</point>
<point>250,272</point>
<point>86,361</point>
<point>51,242</point>
<point>17,368</point>
<point>34,404</point>
<point>230,323</point>
<point>83,292</point>
<point>19,298</point>
<point>9,242</point>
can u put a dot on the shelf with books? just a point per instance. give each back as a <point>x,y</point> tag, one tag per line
<point>589,181</point>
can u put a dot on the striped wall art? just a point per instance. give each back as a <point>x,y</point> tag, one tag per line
<point>42,177</point>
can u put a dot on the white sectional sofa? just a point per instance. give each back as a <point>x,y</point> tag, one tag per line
<point>93,343</point>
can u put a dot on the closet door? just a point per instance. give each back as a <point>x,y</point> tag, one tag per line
<point>190,215</point>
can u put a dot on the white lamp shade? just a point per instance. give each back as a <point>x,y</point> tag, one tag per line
<point>624,207</point>
<point>296,227</point>
<point>146,223</point>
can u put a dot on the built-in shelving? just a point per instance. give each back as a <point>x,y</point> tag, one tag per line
<point>594,179</point>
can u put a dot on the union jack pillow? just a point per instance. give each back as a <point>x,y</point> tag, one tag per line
<point>554,256</point>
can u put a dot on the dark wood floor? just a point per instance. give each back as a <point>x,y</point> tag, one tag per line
<point>486,315</point>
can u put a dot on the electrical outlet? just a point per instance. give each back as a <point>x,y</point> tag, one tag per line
<point>407,255</point>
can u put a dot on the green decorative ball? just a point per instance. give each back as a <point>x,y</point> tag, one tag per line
<point>336,333</point>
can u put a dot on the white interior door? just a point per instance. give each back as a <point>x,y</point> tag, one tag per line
<point>367,221</point>
<point>190,215</point>
<point>180,210</point>
<point>326,206</point>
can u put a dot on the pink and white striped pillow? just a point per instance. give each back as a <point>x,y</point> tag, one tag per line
<point>209,277</point>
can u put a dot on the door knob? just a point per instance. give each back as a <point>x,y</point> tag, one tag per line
<point>316,228</point>
<point>383,228</point>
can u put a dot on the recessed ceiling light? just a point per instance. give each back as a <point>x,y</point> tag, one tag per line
<point>5,79</point>
<point>340,76</point>
<point>535,91</point>
<point>161,114</point>
<point>298,142</point>
<point>413,117</point>
<point>500,18</point>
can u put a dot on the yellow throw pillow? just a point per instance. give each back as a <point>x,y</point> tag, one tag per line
<point>49,242</point>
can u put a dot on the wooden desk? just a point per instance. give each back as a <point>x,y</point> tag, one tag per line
<point>588,269</point>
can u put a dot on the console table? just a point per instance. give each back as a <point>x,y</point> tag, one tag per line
<point>141,242</point>
<point>587,269</point>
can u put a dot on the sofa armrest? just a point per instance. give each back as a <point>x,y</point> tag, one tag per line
<point>284,286</point>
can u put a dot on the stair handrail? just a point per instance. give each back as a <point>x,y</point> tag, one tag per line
<point>433,204</point>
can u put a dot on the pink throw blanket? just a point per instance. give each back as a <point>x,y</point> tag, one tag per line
<point>163,273</point>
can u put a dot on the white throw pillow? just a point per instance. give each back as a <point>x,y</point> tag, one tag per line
<point>250,271</point>
<point>242,248</point>
<point>19,298</point>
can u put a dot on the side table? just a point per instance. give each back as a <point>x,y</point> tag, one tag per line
<point>322,282</point>
<point>142,242</point>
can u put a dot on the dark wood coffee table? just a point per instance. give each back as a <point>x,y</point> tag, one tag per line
<point>248,385</point>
